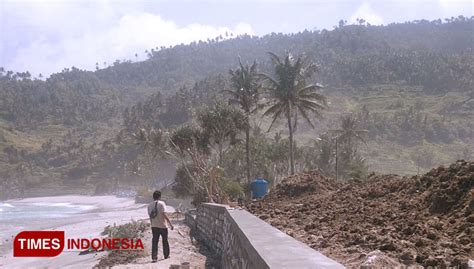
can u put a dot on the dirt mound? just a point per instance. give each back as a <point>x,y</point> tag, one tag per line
<point>449,188</point>
<point>312,182</point>
<point>423,220</point>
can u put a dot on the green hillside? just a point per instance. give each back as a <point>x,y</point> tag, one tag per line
<point>409,84</point>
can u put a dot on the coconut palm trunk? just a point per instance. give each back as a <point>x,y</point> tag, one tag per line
<point>246,86</point>
<point>247,149</point>
<point>290,94</point>
<point>292,154</point>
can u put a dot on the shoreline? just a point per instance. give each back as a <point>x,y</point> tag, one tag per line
<point>104,211</point>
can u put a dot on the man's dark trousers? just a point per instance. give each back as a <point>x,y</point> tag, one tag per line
<point>154,242</point>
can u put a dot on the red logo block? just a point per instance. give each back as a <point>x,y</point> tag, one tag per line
<point>38,244</point>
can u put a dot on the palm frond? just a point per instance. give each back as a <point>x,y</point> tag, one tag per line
<point>275,59</point>
<point>305,116</point>
<point>315,106</point>
<point>234,94</point>
<point>272,110</point>
<point>310,88</point>
<point>268,78</point>
<point>276,115</point>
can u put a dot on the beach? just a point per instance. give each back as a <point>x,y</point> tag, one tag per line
<point>79,216</point>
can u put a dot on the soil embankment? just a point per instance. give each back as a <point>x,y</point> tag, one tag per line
<point>386,220</point>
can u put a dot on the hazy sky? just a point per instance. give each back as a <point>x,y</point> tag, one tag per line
<point>45,36</point>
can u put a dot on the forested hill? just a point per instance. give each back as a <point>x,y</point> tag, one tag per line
<point>410,86</point>
<point>415,52</point>
<point>436,55</point>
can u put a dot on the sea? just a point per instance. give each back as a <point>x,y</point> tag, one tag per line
<point>19,216</point>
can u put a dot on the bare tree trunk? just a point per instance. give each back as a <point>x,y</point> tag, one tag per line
<point>292,156</point>
<point>336,161</point>
<point>220,150</point>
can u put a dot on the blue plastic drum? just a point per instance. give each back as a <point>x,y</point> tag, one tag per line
<point>258,188</point>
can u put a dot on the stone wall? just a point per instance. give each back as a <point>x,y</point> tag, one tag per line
<point>210,225</point>
<point>245,242</point>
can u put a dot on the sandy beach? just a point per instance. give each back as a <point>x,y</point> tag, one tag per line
<point>99,211</point>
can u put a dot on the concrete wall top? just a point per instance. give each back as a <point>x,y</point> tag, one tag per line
<point>275,248</point>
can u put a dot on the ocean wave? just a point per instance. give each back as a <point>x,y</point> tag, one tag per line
<point>5,205</point>
<point>52,204</point>
<point>67,205</point>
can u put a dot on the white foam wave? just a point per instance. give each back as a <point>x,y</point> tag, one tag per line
<point>68,205</point>
<point>52,204</point>
<point>5,205</point>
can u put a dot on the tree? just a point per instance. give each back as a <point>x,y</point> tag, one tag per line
<point>291,94</point>
<point>246,85</point>
<point>349,130</point>
<point>349,135</point>
<point>221,124</point>
<point>320,155</point>
<point>186,138</point>
<point>154,145</point>
<point>153,141</point>
<point>191,146</point>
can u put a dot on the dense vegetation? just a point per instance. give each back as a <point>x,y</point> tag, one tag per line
<point>409,85</point>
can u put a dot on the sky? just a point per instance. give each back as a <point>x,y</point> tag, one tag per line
<point>46,36</point>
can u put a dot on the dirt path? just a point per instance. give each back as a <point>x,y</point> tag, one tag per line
<point>183,248</point>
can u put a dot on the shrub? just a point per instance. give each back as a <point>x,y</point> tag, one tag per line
<point>184,185</point>
<point>232,188</point>
<point>78,172</point>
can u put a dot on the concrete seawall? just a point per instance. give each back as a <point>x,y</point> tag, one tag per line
<point>246,242</point>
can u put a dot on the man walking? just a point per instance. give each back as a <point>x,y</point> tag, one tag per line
<point>159,221</point>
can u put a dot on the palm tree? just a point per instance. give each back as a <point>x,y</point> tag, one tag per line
<point>348,132</point>
<point>291,94</point>
<point>245,92</point>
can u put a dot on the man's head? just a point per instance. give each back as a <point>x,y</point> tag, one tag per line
<point>157,195</point>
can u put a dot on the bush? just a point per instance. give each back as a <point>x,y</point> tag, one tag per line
<point>133,229</point>
<point>184,185</point>
<point>199,198</point>
<point>58,161</point>
<point>232,188</point>
<point>78,172</point>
